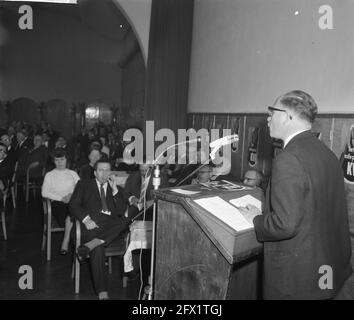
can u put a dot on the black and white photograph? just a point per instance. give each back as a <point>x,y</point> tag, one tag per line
<point>182,152</point>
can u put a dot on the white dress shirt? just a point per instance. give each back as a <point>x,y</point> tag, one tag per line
<point>287,140</point>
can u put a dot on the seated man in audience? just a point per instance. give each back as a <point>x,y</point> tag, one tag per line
<point>253,178</point>
<point>99,205</point>
<point>6,169</point>
<point>139,186</point>
<point>87,171</point>
<point>23,143</point>
<point>11,154</point>
<point>203,175</point>
<point>34,158</point>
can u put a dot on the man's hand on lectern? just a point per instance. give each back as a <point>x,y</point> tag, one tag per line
<point>249,212</point>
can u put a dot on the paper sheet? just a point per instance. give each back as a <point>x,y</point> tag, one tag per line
<point>186,192</point>
<point>225,212</point>
<point>245,201</point>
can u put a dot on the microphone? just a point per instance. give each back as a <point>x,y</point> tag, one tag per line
<point>217,144</point>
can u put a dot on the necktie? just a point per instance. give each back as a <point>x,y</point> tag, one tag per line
<point>103,199</point>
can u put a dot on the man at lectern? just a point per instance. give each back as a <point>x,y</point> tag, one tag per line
<point>305,224</point>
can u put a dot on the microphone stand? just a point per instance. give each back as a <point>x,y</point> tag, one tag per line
<point>156,182</point>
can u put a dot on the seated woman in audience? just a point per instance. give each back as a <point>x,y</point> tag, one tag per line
<point>58,186</point>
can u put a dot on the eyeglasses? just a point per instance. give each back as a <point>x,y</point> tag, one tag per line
<point>246,178</point>
<point>272,109</point>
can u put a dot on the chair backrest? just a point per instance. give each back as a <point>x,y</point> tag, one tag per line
<point>13,179</point>
<point>47,210</point>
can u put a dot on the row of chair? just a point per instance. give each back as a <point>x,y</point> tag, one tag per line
<point>28,184</point>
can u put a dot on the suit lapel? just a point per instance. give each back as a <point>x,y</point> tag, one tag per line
<point>95,190</point>
<point>109,198</point>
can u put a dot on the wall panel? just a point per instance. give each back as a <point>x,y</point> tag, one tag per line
<point>334,131</point>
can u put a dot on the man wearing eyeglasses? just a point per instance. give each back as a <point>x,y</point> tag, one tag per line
<point>253,178</point>
<point>304,226</point>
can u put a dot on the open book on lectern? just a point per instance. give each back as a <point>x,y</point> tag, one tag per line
<point>228,213</point>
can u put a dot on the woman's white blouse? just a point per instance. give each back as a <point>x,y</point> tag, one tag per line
<point>59,183</point>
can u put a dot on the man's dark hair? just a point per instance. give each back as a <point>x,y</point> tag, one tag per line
<point>102,160</point>
<point>95,143</point>
<point>62,138</point>
<point>302,103</point>
<point>59,153</point>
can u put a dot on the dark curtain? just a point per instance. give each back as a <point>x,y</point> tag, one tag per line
<point>167,78</point>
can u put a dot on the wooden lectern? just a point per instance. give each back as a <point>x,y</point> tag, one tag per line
<point>198,256</point>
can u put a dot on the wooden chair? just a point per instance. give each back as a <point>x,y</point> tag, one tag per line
<point>4,195</point>
<point>14,185</point>
<point>33,183</point>
<point>110,251</point>
<point>47,227</point>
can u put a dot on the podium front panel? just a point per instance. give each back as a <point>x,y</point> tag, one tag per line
<point>188,264</point>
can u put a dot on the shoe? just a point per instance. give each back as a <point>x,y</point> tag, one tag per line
<point>82,253</point>
<point>63,252</point>
<point>103,295</point>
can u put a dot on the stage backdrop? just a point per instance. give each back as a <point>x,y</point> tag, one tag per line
<point>246,53</point>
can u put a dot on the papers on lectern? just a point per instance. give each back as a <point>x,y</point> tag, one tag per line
<point>225,212</point>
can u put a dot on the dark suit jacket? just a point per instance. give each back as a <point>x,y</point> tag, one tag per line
<point>133,187</point>
<point>87,172</point>
<point>86,200</point>
<point>33,155</point>
<point>305,224</point>
<point>6,170</point>
<point>11,154</point>
<point>21,150</point>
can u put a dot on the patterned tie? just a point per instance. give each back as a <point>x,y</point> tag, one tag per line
<point>103,199</point>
